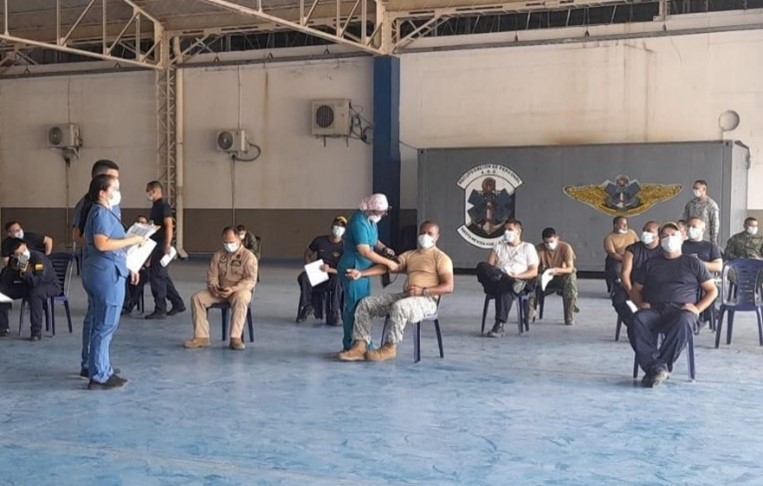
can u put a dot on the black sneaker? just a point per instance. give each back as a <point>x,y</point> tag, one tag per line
<point>176,310</point>
<point>114,381</point>
<point>36,337</point>
<point>303,313</point>
<point>125,311</point>
<point>497,330</point>
<point>85,373</point>
<point>5,332</point>
<point>156,315</point>
<point>335,319</point>
<point>655,378</point>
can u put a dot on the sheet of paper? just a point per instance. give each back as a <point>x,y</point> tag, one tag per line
<point>631,306</point>
<point>144,230</point>
<point>545,279</point>
<point>138,254</point>
<point>5,299</point>
<point>315,274</point>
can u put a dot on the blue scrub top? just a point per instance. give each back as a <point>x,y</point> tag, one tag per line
<point>77,217</point>
<point>102,221</point>
<point>360,231</point>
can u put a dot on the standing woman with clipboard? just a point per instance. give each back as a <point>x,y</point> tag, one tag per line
<point>104,271</point>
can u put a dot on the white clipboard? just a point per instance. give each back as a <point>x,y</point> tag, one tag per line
<point>138,254</point>
<point>315,274</point>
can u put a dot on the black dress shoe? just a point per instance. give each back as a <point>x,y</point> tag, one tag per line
<point>303,313</point>
<point>156,315</point>
<point>114,381</point>
<point>36,337</point>
<point>85,373</point>
<point>176,310</point>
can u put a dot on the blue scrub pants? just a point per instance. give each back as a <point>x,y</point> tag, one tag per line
<point>354,291</point>
<point>87,326</point>
<point>106,292</point>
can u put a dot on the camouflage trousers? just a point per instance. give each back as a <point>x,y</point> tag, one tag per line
<point>401,309</point>
<point>568,284</point>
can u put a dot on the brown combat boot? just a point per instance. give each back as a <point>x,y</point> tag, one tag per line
<point>569,311</point>
<point>196,343</point>
<point>387,351</point>
<point>237,344</point>
<point>356,353</point>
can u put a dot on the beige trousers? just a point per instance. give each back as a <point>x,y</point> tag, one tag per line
<point>200,302</point>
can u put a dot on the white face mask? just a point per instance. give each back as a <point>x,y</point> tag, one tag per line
<point>242,236</point>
<point>19,234</point>
<point>426,242</point>
<point>375,218</point>
<point>115,199</point>
<point>694,233</point>
<point>27,254</point>
<point>551,245</point>
<point>337,231</point>
<point>672,244</point>
<point>509,236</point>
<point>149,197</point>
<point>697,193</point>
<point>753,230</point>
<point>622,231</point>
<point>647,238</point>
<point>230,247</point>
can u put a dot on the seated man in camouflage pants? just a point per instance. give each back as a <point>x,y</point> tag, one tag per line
<point>430,274</point>
<point>558,257</point>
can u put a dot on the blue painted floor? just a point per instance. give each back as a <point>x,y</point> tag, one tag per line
<point>555,406</point>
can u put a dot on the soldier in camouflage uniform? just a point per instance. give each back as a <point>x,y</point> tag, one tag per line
<point>558,257</point>
<point>747,244</point>
<point>704,208</point>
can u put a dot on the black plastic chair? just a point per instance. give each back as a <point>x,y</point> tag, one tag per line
<point>63,264</point>
<point>540,299</point>
<point>225,310</point>
<point>689,357</point>
<point>417,334</point>
<point>523,311</point>
<point>743,297</point>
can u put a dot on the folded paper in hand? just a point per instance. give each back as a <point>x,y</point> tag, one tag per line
<point>315,274</point>
<point>631,306</point>
<point>545,279</point>
<point>138,254</point>
<point>4,299</point>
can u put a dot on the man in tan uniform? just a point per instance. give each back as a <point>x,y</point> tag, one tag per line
<point>557,257</point>
<point>231,277</point>
<point>430,274</point>
<point>615,244</point>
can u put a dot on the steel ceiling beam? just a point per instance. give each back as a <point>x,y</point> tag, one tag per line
<point>297,26</point>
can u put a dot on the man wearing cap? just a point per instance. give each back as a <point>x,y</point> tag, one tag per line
<point>328,248</point>
<point>665,290</point>
<point>360,241</point>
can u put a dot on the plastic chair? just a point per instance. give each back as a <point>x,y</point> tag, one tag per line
<point>63,264</point>
<point>321,299</point>
<point>417,334</point>
<point>225,309</point>
<point>523,311</point>
<point>742,297</point>
<point>540,299</point>
<point>689,357</point>
<point>619,326</point>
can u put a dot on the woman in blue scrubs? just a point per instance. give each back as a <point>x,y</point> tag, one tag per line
<point>360,239</point>
<point>104,271</point>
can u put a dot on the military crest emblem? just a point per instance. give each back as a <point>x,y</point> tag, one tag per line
<point>624,196</point>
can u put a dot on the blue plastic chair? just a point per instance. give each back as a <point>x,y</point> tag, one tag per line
<point>63,264</point>
<point>434,318</point>
<point>225,309</point>
<point>523,311</point>
<point>689,357</point>
<point>740,295</point>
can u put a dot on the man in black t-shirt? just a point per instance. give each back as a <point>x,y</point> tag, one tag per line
<point>707,251</point>
<point>34,241</point>
<point>665,289</point>
<point>328,248</point>
<point>162,287</point>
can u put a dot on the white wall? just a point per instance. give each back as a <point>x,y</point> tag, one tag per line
<point>116,114</point>
<point>648,90</point>
<point>295,169</point>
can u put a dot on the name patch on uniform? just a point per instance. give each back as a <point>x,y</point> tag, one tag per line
<point>235,263</point>
<point>38,267</point>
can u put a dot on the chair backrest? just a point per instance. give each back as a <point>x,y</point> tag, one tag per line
<point>740,284</point>
<point>62,264</point>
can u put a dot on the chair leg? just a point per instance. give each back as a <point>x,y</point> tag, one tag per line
<point>68,315</point>
<point>520,316</point>
<point>541,300</point>
<point>484,314</point>
<point>719,327</point>
<point>759,312</point>
<point>729,327</point>
<point>690,358</point>
<point>439,337</point>
<point>51,314</point>
<point>21,316</point>
<point>225,323</point>
<point>250,324</point>
<point>417,343</point>
<point>635,367</point>
<point>618,327</point>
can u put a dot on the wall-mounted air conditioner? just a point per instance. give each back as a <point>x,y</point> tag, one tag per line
<point>65,135</point>
<point>330,118</point>
<point>233,140</point>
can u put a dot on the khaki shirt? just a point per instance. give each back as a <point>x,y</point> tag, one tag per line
<point>562,257</point>
<point>424,267</point>
<point>237,270</point>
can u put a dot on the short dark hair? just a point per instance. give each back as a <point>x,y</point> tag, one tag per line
<point>513,221</point>
<point>229,229</point>
<point>701,182</point>
<point>155,185</point>
<point>240,228</point>
<point>651,222</point>
<point>15,244</point>
<point>548,232</point>
<point>11,223</point>
<point>747,220</point>
<point>616,219</point>
<point>681,222</point>
<point>102,166</point>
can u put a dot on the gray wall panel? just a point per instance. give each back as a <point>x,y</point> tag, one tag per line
<point>540,200</point>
